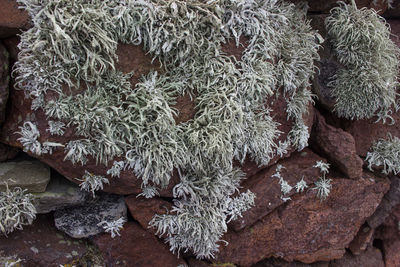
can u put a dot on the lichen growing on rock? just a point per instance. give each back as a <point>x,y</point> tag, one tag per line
<point>70,53</point>
<point>367,84</point>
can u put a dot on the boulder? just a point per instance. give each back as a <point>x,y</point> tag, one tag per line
<point>305,228</point>
<point>60,193</point>
<point>338,146</point>
<point>135,247</point>
<point>4,81</point>
<point>12,18</point>
<point>28,174</point>
<point>82,221</point>
<point>41,244</point>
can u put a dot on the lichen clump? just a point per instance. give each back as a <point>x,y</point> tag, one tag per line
<point>385,153</point>
<point>366,85</point>
<point>72,44</point>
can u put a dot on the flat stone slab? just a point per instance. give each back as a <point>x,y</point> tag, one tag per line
<point>81,221</point>
<point>60,193</point>
<point>27,174</point>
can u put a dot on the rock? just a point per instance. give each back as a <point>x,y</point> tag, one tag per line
<point>338,146</point>
<point>305,228</point>
<point>135,247</point>
<point>274,262</point>
<point>389,201</point>
<point>27,174</point>
<point>391,249</point>
<point>12,18</point>
<point>393,13</point>
<point>268,190</point>
<point>4,81</point>
<point>143,210</point>
<point>7,152</point>
<point>192,262</point>
<point>81,221</point>
<point>362,240</point>
<point>41,244</point>
<point>370,258</point>
<point>60,193</point>
<point>11,44</point>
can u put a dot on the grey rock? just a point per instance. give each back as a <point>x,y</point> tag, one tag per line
<point>60,193</point>
<point>81,222</point>
<point>27,174</point>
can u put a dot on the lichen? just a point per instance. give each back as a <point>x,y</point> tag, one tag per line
<point>385,153</point>
<point>72,45</point>
<point>366,85</point>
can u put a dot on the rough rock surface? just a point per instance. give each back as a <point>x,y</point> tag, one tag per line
<point>12,18</point>
<point>268,190</point>
<point>135,247</point>
<point>81,221</point>
<point>41,244</point>
<point>370,258</point>
<point>4,81</point>
<point>60,193</point>
<point>143,210</point>
<point>7,152</point>
<point>306,229</point>
<point>27,174</point>
<point>338,146</point>
<point>362,241</point>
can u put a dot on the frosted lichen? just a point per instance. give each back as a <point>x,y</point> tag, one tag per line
<point>367,84</point>
<point>232,119</point>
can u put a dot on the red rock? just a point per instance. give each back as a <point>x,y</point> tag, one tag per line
<point>4,81</point>
<point>370,258</point>
<point>393,13</point>
<point>392,255</point>
<point>135,247</point>
<point>12,18</point>
<point>362,240</point>
<point>268,190</point>
<point>41,244</point>
<point>306,229</point>
<point>143,210</point>
<point>7,152</point>
<point>338,146</point>
<point>197,263</point>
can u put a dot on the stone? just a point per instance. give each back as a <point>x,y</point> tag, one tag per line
<point>41,244</point>
<point>12,18</point>
<point>60,193</point>
<point>362,241</point>
<point>391,249</point>
<point>389,201</point>
<point>393,13</point>
<point>338,146</point>
<point>143,209</point>
<point>7,152</point>
<point>4,81</point>
<point>28,174</point>
<point>135,247</point>
<point>81,221</point>
<point>274,262</point>
<point>268,190</point>
<point>307,229</point>
<point>370,258</point>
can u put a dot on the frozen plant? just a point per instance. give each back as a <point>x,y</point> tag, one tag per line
<point>386,153</point>
<point>92,183</point>
<point>16,209</point>
<point>112,227</point>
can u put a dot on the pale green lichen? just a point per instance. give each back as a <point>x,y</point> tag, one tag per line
<point>367,84</point>
<point>323,185</point>
<point>71,51</point>
<point>385,153</point>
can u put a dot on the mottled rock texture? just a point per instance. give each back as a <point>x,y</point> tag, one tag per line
<point>12,19</point>
<point>4,81</point>
<point>135,247</point>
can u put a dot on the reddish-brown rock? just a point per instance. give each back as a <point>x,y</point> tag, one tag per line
<point>307,229</point>
<point>135,247</point>
<point>143,209</point>
<point>41,244</point>
<point>338,146</point>
<point>369,258</point>
<point>12,18</point>
<point>362,240</point>
<point>4,81</point>
<point>268,190</point>
<point>7,152</point>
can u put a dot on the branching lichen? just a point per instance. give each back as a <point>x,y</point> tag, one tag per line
<point>367,84</point>
<point>137,126</point>
<point>386,153</point>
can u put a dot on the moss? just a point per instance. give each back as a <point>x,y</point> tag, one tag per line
<point>69,47</point>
